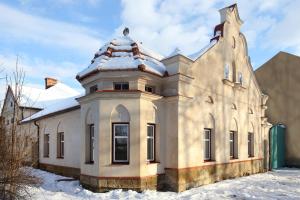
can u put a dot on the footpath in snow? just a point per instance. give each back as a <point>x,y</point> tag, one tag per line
<point>279,184</point>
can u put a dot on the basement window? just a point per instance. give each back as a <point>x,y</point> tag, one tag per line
<point>121,86</point>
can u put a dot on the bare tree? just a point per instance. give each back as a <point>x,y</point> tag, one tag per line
<point>14,155</point>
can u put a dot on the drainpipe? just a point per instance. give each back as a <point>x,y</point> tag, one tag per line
<point>38,143</point>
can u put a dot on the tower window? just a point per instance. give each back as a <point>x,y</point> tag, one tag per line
<point>93,89</point>
<point>121,86</point>
<point>149,88</point>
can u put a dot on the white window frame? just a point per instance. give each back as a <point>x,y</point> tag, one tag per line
<point>153,142</point>
<point>120,137</point>
<point>209,140</point>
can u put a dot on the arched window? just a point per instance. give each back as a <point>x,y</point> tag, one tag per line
<point>120,133</point>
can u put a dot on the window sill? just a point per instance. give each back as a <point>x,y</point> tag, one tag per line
<point>152,162</point>
<point>208,161</point>
<point>239,86</point>
<point>45,156</point>
<point>59,157</point>
<point>228,82</point>
<point>119,163</point>
<point>89,163</point>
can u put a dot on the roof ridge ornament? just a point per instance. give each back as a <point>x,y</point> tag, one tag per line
<point>126,31</point>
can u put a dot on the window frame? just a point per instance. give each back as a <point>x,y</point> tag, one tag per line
<point>210,144</point>
<point>122,84</point>
<point>150,87</point>
<point>153,142</point>
<point>226,72</point>
<point>46,153</point>
<point>93,89</point>
<point>114,161</point>
<point>60,145</point>
<point>240,78</point>
<point>232,156</point>
<point>251,145</point>
<point>91,143</point>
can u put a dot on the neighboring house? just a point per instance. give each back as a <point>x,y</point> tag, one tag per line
<point>280,79</point>
<point>149,122</point>
<point>24,101</point>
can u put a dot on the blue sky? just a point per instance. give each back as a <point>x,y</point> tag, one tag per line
<point>59,38</point>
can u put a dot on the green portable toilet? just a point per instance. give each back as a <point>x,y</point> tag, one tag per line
<point>277,146</point>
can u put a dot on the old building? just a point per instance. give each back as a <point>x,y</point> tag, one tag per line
<point>280,79</point>
<point>23,101</point>
<point>151,122</point>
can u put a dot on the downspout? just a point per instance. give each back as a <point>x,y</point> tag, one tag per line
<point>38,143</point>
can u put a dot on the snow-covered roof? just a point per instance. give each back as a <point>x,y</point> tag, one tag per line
<point>198,54</point>
<point>56,106</point>
<point>40,98</point>
<point>56,98</point>
<point>124,53</point>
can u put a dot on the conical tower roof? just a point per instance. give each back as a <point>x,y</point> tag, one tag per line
<point>124,53</point>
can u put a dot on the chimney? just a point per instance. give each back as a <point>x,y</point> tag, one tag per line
<point>49,82</point>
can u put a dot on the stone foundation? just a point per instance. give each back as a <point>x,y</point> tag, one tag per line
<point>178,180</point>
<point>61,170</point>
<point>103,184</point>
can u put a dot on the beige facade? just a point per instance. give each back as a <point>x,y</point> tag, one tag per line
<point>280,79</point>
<point>213,92</point>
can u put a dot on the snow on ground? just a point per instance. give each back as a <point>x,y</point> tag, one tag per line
<point>279,184</point>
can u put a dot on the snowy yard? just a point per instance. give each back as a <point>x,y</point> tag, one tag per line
<point>279,184</point>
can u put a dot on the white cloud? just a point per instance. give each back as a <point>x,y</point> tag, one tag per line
<point>19,26</point>
<point>164,25</point>
<point>38,69</point>
<point>285,33</point>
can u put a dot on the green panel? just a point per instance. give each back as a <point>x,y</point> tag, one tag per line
<point>277,144</point>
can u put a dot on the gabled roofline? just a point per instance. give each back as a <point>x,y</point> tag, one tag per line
<point>52,114</point>
<point>8,89</point>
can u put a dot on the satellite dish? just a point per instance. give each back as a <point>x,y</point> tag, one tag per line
<point>126,31</point>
